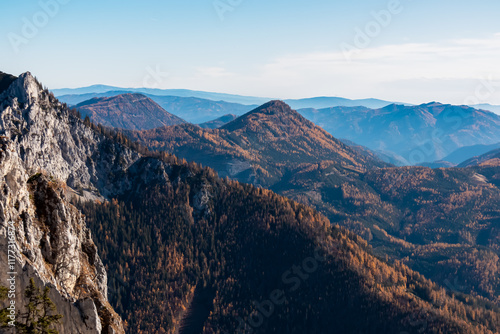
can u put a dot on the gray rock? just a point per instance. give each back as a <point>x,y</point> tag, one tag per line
<point>45,155</point>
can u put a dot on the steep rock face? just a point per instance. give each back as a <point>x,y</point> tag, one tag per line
<point>47,138</point>
<point>43,148</point>
<point>54,246</point>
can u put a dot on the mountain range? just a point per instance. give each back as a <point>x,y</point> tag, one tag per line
<point>192,109</point>
<point>316,102</point>
<point>262,147</point>
<point>403,212</point>
<point>417,134</point>
<point>399,134</point>
<point>186,251</point>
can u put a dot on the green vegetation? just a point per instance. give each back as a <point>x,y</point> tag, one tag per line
<point>40,314</point>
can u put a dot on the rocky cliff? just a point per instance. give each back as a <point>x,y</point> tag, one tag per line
<point>45,154</point>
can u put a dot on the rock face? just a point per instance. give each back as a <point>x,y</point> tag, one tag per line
<point>48,138</point>
<point>46,153</point>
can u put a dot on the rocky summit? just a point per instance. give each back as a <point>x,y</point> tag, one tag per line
<point>43,150</point>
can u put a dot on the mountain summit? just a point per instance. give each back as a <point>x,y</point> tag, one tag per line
<point>259,142</point>
<point>276,114</point>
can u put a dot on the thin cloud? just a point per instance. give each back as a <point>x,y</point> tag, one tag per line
<point>214,72</point>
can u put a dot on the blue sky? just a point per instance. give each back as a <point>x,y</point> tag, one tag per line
<point>421,51</point>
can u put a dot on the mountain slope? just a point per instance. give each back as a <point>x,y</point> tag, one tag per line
<point>170,227</point>
<point>490,158</point>
<point>246,246</point>
<point>127,111</point>
<point>419,134</point>
<point>465,153</point>
<point>192,109</point>
<point>274,148</point>
<point>217,123</point>
<point>259,147</point>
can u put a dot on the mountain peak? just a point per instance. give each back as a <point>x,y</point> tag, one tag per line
<point>25,88</point>
<point>130,111</point>
<point>272,108</point>
<point>277,112</point>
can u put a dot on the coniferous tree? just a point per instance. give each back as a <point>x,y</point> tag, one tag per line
<point>41,313</point>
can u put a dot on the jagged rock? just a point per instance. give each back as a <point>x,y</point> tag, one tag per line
<point>43,150</point>
<point>48,138</point>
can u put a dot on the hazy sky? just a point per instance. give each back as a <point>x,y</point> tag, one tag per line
<point>414,51</point>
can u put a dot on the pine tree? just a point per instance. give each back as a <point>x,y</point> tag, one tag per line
<point>41,314</point>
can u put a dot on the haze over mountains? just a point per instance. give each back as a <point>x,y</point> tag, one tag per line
<point>417,134</point>
<point>218,122</point>
<point>399,134</point>
<point>76,95</point>
<point>173,235</point>
<point>73,95</point>
<point>491,158</point>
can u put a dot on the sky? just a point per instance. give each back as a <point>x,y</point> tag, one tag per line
<point>412,51</point>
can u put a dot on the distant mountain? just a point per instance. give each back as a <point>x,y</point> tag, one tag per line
<point>191,109</point>
<point>100,89</point>
<point>465,153</point>
<point>217,123</point>
<point>71,96</point>
<point>438,164</point>
<point>487,106</point>
<point>197,110</point>
<point>424,133</point>
<point>491,158</point>
<point>127,111</point>
<point>327,102</point>
<point>259,147</point>
<point>73,100</point>
<point>388,157</point>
